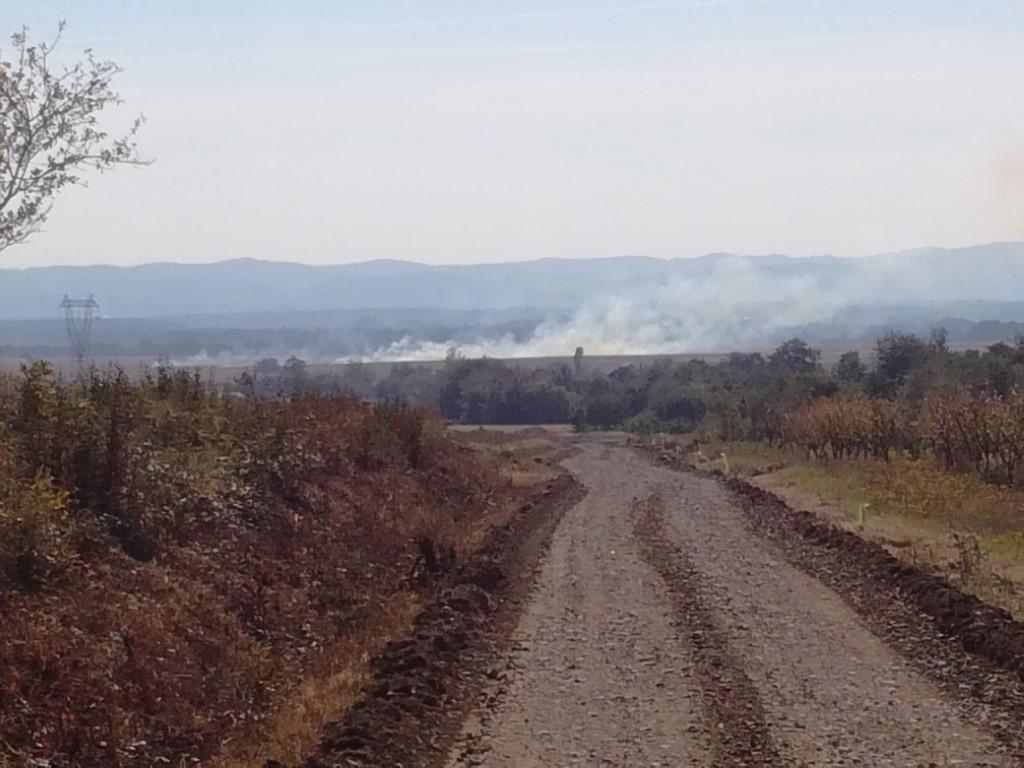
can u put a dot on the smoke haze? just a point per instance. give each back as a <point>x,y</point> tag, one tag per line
<point>240,311</point>
<point>737,305</point>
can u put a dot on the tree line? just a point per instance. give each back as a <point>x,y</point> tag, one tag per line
<point>914,395</point>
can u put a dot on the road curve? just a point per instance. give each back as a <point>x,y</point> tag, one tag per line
<point>662,632</point>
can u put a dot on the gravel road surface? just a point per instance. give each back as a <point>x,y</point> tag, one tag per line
<point>663,632</point>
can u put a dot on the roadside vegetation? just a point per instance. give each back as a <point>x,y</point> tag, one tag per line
<point>914,396</point>
<point>921,452</point>
<point>183,572</point>
<point>919,445</point>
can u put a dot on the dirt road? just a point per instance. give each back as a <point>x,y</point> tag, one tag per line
<point>663,632</point>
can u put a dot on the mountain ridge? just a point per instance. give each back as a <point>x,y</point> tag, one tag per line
<point>992,271</point>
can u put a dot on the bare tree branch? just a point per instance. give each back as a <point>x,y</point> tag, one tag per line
<point>50,131</point>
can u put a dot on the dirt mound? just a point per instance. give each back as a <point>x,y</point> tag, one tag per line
<point>982,629</point>
<point>425,683</point>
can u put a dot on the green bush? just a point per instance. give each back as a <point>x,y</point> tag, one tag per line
<point>34,532</point>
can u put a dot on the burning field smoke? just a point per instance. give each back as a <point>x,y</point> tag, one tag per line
<point>733,307</point>
<point>719,303</point>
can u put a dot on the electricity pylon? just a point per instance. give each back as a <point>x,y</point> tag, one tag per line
<point>78,317</point>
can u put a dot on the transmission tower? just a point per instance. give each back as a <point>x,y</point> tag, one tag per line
<point>78,316</point>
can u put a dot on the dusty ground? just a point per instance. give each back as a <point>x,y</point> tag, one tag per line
<point>667,630</point>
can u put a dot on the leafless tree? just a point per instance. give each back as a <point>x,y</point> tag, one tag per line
<point>50,131</point>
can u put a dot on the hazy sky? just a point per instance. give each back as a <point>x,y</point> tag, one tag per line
<point>471,131</point>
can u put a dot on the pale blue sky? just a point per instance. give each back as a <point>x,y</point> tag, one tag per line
<point>479,131</point>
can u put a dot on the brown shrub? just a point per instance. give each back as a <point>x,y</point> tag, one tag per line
<point>172,562</point>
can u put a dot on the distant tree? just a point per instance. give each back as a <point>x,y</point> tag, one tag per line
<point>899,355</point>
<point>795,356</point>
<point>940,340</point>
<point>297,374</point>
<point>450,399</point>
<point>1001,349</point>
<point>415,384</point>
<point>604,410</point>
<point>625,375</point>
<point>850,369</point>
<point>357,378</point>
<point>50,133</point>
<point>1000,375</point>
<point>746,363</point>
<point>268,366</point>
<point>561,375</point>
<point>577,363</point>
<point>674,403</point>
<point>550,404</point>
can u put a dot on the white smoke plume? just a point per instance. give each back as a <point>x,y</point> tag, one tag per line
<point>735,306</point>
<point>719,304</point>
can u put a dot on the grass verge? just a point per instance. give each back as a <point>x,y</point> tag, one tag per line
<point>969,530</point>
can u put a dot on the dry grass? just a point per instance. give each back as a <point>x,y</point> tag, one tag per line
<point>528,460</point>
<point>526,456</point>
<point>282,541</point>
<point>970,530</point>
<point>299,720</point>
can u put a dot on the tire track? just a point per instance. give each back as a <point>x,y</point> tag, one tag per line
<point>835,691</point>
<point>600,673</point>
<point>739,732</point>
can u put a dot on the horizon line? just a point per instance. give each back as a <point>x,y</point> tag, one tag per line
<point>407,262</point>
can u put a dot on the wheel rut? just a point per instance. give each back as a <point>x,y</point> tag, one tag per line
<point>599,673</point>
<point>740,735</point>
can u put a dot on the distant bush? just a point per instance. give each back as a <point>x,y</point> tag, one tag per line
<point>35,534</point>
<point>980,432</point>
